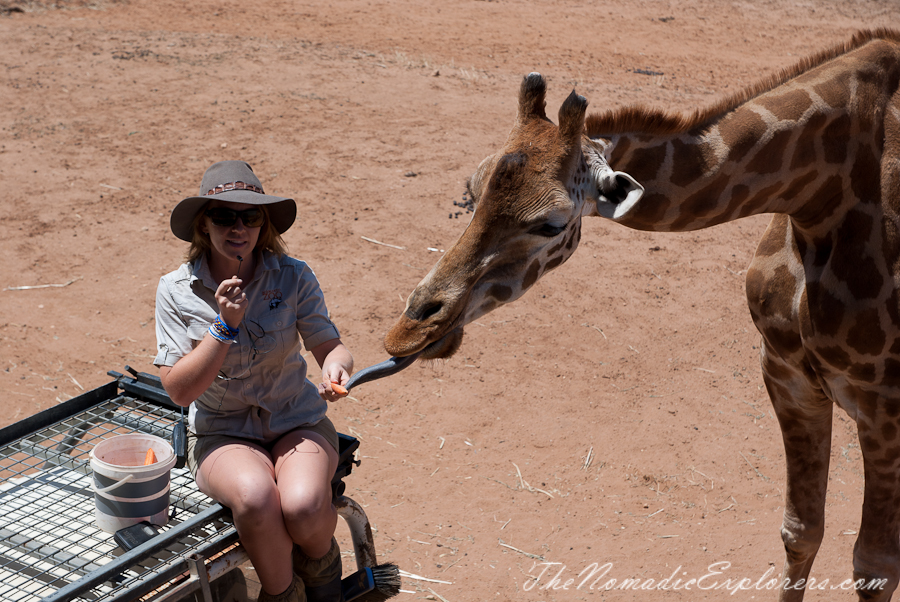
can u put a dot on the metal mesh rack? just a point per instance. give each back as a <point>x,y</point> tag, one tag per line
<point>50,548</point>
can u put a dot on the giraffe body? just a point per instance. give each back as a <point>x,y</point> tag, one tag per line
<point>817,145</point>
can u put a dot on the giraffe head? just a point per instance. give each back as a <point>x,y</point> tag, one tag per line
<point>529,200</point>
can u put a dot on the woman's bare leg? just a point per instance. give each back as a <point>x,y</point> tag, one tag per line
<point>304,465</point>
<point>241,476</point>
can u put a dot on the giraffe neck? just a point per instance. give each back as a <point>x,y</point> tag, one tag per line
<point>796,149</point>
<point>744,165</point>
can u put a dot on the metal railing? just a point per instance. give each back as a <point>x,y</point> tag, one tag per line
<point>50,548</point>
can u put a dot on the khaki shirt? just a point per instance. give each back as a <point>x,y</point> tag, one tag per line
<point>262,390</point>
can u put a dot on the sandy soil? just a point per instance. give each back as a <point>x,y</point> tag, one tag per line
<point>615,414</point>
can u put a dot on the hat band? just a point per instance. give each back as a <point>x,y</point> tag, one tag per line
<point>234,186</point>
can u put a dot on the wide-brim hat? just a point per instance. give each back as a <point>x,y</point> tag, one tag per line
<point>235,182</point>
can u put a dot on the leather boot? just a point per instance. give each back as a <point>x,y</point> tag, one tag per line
<point>295,593</point>
<point>321,576</point>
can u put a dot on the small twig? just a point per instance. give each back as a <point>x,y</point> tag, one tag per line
<point>506,545</point>
<point>442,598</point>
<point>647,72</point>
<point>383,244</point>
<point>418,578</point>
<point>526,486</point>
<point>628,389</point>
<point>26,288</point>
<point>710,479</point>
<point>759,474</point>
<point>77,384</point>
<point>588,459</point>
<point>501,482</point>
<point>705,370</point>
<point>451,564</point>
<point>111,187</point>
<point>595,328</point>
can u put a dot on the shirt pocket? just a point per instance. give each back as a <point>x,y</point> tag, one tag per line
<point>274,332</point>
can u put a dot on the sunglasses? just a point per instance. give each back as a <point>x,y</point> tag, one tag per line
<point>226,218</point>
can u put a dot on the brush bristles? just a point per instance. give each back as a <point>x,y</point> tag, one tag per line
<point>387,583</point>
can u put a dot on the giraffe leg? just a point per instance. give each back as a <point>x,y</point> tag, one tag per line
<point>876,555</point>
<point>804,414</point>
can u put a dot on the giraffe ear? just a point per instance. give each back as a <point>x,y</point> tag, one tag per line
<point>531,97</point>
<point>617,192</point>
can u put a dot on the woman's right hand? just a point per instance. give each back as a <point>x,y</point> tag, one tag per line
<point>232,301</point>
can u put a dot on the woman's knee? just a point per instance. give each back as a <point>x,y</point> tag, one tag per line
<point>304,508</point>
<point>251,495</point>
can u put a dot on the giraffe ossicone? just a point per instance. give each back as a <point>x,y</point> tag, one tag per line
<point>818,145</point>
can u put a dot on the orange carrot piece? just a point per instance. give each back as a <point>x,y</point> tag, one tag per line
<point>339,389</point>
<point>150,458</point>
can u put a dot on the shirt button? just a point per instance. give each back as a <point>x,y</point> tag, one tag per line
<point>246,348</point>
<point>278,323</point>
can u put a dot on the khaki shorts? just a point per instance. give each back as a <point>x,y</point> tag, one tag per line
<point>198,446</point>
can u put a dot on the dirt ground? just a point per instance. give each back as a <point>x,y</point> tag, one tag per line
<point>616,414</point>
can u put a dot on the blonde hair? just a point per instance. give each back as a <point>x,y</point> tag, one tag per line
<point>269,239</point>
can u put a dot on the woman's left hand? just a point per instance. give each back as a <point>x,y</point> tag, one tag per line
<point>336,363</point>
<point>334,377</point>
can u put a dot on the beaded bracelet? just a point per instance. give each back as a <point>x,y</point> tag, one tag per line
<point>221,331</point>
<point>228,329</point>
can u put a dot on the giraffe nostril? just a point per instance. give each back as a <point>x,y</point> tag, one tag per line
<point>431,310</point>
<point>421,312</point>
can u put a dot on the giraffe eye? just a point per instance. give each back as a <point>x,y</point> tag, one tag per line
<point>548,230</point>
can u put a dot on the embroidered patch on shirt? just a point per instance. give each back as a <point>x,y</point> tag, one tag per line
<point>273,296</point>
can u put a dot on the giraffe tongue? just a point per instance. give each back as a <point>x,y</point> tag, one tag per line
<point>385,368</point>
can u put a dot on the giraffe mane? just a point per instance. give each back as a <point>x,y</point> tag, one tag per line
<point>656,121</point>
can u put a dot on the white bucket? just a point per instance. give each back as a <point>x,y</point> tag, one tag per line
<point>125,491</point>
